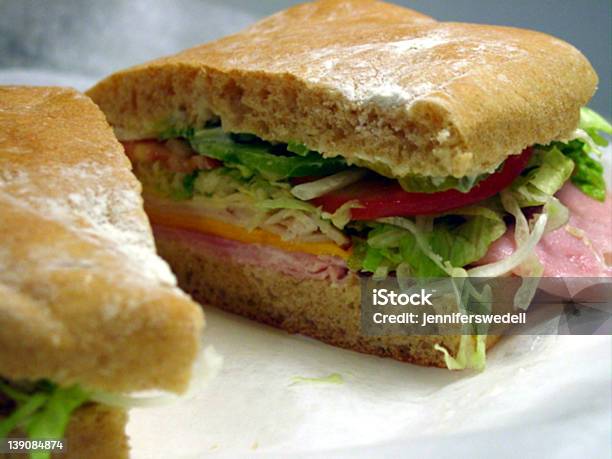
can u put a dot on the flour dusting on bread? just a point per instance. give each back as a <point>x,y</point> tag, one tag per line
<point>80,281</point>
<point>369,81</point>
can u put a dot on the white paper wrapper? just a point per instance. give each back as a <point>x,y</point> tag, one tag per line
<point>536,393</point>
<point>539,396</point>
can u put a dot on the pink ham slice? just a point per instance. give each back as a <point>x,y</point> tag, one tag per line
<point>564,253</point>
<point>295,264</point>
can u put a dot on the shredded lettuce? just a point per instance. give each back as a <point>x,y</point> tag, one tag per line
<point>523,252</point>
<point>530,268</point>
<point>342,216</point>
<point>558,214</point>
<point>42,410</point>
<point>310,190</point>
<point>453,242</point>
<point>472,353</point>
<point>250,202</point>
<point>285,203</point>
<point>333,378</point>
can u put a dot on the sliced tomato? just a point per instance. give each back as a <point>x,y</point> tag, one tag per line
<point>381,197</point>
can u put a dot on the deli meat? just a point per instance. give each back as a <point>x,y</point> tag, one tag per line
<point>582,248</point>
<point>296,264</point>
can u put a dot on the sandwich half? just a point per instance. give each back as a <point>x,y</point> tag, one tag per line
<point>88,312</point>
<point>342,139</point>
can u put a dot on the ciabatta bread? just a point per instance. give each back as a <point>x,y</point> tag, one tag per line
<point>84,299</point>
<point>381,85</point>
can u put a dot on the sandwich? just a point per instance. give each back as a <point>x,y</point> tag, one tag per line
<point>342,139</point>
<point>89,314</point>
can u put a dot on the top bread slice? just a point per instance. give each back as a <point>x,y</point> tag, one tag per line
<point>381,85</point>
<point>83,296</point>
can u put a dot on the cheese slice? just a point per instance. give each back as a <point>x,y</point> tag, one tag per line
<point>256,236</point>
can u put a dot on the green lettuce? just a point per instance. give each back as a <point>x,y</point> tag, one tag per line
<point>552,165</point>
<point>594,124</point>
<point>333,378</point>
<point>225,181</point>
<point>546,173</point>
<point>252,155</point>
<point>298,148</point>
<point>472,353</point>
<point>457,240</point>
<point>588,173</point>
<point>42,410</point>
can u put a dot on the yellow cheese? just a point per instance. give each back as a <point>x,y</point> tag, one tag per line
<point>236,233</point>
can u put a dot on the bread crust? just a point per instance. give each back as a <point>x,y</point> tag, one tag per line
<point>83,297</point>
<point>96,432</point>
<point>381,85</point>
<point>318,308</point>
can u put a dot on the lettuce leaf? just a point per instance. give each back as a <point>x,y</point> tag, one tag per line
<point>594,124</point>
<point>271,161</point>
<point>588,173</point>
<point>42,410</point>
<point>546,173</point>
<point>298,148</point>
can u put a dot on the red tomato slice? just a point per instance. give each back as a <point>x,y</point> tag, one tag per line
<point>381,197</point>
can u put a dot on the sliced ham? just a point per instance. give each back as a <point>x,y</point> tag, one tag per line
<point>582,248</point>
<point>296,264</point>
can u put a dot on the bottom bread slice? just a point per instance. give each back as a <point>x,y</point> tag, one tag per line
<point>96,432</point>
<point>319,308</point>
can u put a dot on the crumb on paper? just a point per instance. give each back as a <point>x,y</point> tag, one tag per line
<point>214,447</point>
<point>333,378</point>
<point>255,445</point>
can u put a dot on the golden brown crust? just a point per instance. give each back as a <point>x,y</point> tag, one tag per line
<point>96,432</point>
<point>370,81</point>
<point>83,296</point>
<point>317,308</point>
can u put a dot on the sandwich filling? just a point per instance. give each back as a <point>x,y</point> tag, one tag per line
<point>325,212</point>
